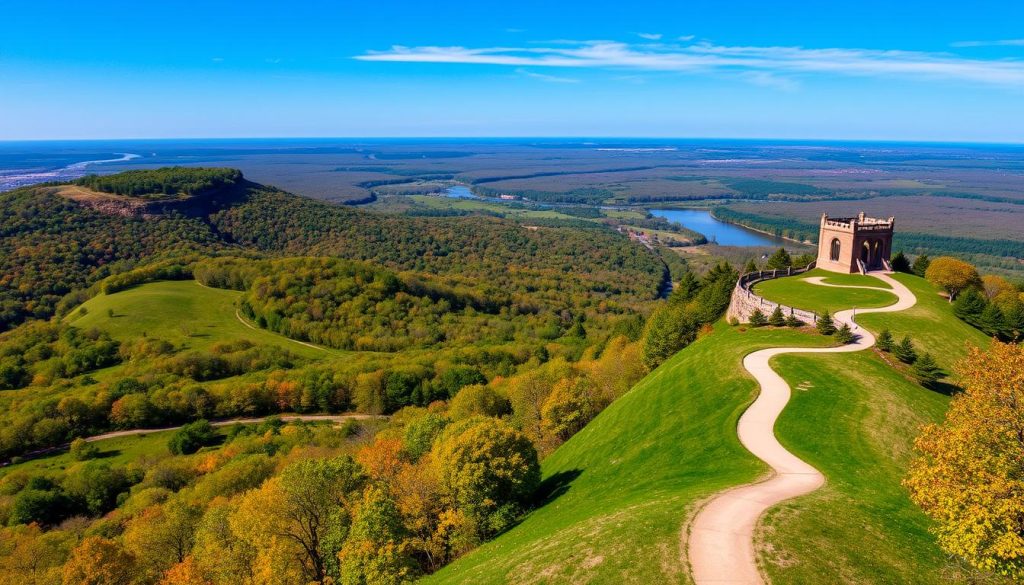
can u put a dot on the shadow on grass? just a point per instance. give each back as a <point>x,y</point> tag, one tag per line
<point>944,388</point>
<point>555,486</point>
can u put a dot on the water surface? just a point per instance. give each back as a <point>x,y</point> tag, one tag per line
<point>725,234</point>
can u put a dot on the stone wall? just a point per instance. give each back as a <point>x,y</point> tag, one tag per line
<point>744,302</point>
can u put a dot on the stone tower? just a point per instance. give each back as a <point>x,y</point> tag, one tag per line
<point>854,244</point>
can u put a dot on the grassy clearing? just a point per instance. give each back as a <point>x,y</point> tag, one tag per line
<point>117,451</point>
<point>625,482</point>
<point>182,312</point>
<point>796,292</point>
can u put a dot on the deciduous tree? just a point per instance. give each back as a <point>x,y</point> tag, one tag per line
<point>952,275</point>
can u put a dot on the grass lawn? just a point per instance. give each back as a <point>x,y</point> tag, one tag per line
<point>626,481</point>
<point>930,323</point>
<point>182,312</point>
<point>855,419</point>
<point>795,292</point>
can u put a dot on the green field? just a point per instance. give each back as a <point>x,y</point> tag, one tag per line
<point>627,480</point>
<point>794,291</point>
<point>182,312</point>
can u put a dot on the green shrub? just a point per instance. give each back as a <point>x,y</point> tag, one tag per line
<point>826,326</point>
<point>757,319</point>
<point>191,437</point>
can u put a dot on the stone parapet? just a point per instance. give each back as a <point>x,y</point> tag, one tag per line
<point>744,302</point>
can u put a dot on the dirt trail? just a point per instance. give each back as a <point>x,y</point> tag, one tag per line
<point>721,536</point>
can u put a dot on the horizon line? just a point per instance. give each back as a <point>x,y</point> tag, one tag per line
<point>520,138</point>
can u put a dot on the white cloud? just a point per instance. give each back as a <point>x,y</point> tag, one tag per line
<point>686,38</point>
<point>1001,43</point>
<point>650,36</point>
<point>545,77</point>
<point>707,57</point>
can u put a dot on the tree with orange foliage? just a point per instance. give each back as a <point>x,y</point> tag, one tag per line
<point>185,573</point>
<point>99,561</point>
<point>967,476</point>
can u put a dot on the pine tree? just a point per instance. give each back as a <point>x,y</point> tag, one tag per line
<point>904,351</point>
<point>926,370</point>
<point>825,324</point>
<point>844,335</point>
<point>900,263</point>
<point>885,341</point>
<point>991,320</point>
<point>684,290</point>
<point>780,260</point>
<point>777,319</point>
<point>750,267</point>
<point>921,265</point>
<point>792,321</point>
<point>757,319</point>
<point>969,306</point>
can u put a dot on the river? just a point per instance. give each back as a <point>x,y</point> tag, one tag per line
<point>724,234</point>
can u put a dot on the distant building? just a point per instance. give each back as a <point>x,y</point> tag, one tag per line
<point>854,244</point>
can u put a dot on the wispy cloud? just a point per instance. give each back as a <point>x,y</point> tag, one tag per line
<point>650,36</point>
<point>707,57</point>
<point>686,38</point>
<point>999,43</point>
<point>545,77</point>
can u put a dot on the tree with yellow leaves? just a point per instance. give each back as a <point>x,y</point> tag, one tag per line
<point>99,561</point>
<point>968,473</point>
<point>952,275</point>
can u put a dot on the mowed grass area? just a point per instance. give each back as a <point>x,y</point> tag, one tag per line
<point>624,485</point>
<point>930,324</point>
<point>855,418</point>
<point>189,315</point>
<point>795,291</point>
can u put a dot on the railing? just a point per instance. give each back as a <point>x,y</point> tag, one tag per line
<point>745,286</point>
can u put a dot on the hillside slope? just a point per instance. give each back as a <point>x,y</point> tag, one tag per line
<point>624,483</point>
<point>628,479</point>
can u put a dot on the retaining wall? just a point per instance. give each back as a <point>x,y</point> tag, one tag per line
<point>744,302</point>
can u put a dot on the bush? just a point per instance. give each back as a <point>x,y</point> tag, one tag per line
<point>904,351</point>
<point>757,319</point>
<point>844,335</point>
<point>826,326</point>
<point>777,319</point>
<point>900,262</point>
<point>82,450</point>
<point>792,321</point>
<point>885,341</point>
<point>191,437</point>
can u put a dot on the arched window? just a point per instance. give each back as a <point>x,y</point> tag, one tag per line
<point>834,254</point>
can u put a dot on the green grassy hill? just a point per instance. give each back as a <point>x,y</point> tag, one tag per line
<point>796,292</point>
<point>182,312</point>
<point>629,480</point>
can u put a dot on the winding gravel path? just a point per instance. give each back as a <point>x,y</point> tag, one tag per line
<point>721,535</point>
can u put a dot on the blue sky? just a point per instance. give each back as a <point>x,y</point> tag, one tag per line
<point>932,70</point>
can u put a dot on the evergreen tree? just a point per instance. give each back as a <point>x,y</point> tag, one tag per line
<point>750,267</point>
<point>844,335</point>
<point>825,324</point>
<point>780,260</point>
<point>926,370</point>
<point>885,341</point>
<point>921,265</point>
<point>757,319</point>
<point>685,289</point>
<point>991,320</point>
<point>777,319</point>
<point>904,351</point>
<point>900,262</point>
<point>792,321</point>
<point>970,305</point>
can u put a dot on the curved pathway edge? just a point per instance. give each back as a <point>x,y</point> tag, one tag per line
<point>721,535</point>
